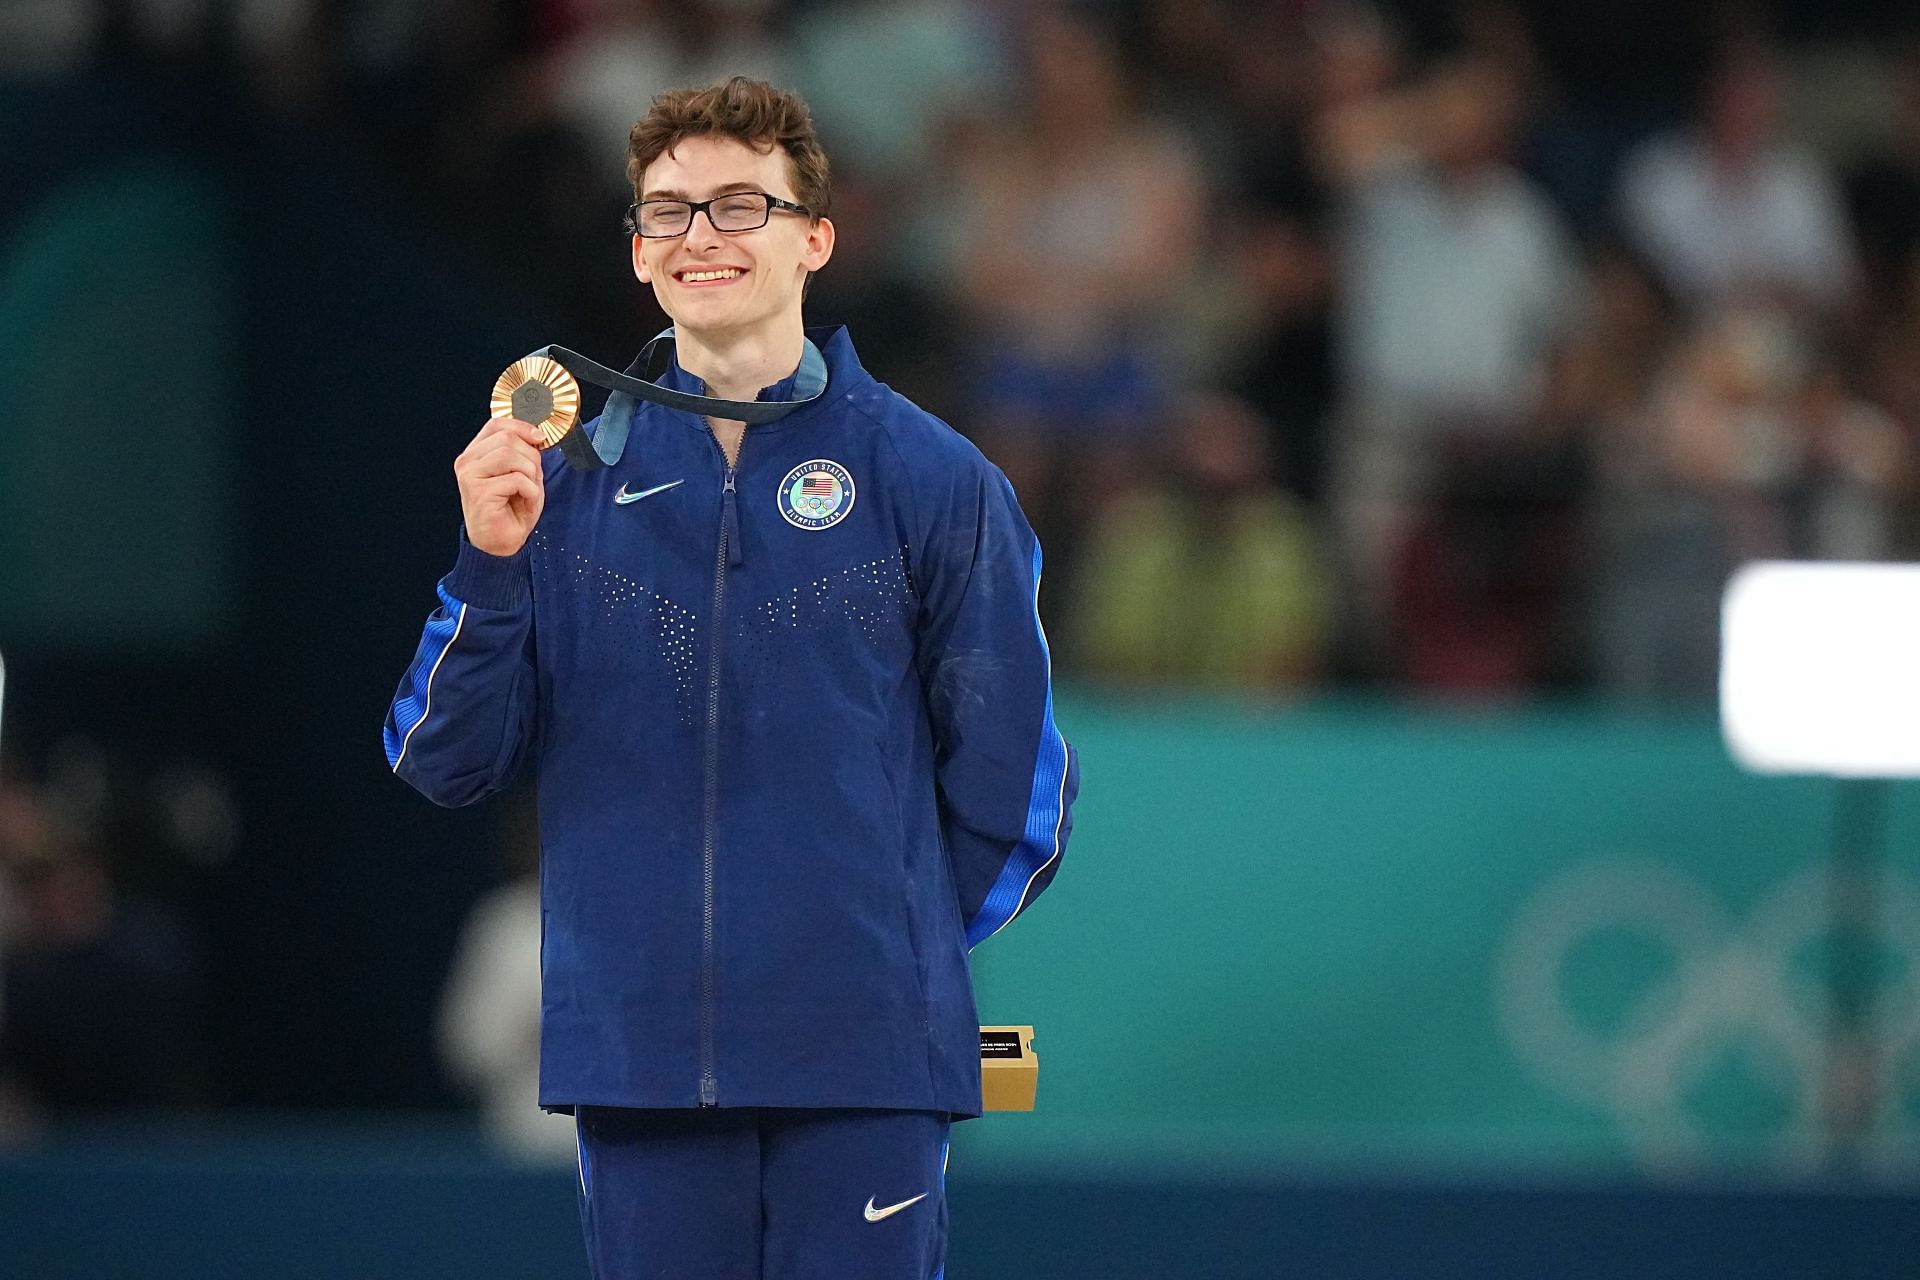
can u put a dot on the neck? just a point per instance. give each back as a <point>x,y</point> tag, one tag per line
<point>737,366</point>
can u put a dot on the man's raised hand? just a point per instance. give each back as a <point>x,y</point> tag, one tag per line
<point>502,487</point>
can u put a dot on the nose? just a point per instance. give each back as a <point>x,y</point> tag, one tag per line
<point>701,230</point>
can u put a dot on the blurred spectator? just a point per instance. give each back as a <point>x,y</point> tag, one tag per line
<point>884,77</point>
<point>1077,218</point>
<point>1481,586</point>
<point>1892,375</point>
<point>490,1009</point>
<point>101,1004</point>
<point>602,77</point>
<point>902,325</point>
<point>1884,192</point>
<point>1751,446</point>
<point>1460,278</point>
<point>1458,284</point>
<point>1856,466</point>
<point>1728,209</point>
<point>1184,56</point>
<point>1602,373</point>
<point>1689,490</point>
<point>1256,315</point>
<point>1256,320</point>
<point>1205,574</point>
<point>1269,331</point>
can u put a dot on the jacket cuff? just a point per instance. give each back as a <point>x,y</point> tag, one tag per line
<point>488,581</point>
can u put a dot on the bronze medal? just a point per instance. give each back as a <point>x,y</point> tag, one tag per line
<point>538,390</point>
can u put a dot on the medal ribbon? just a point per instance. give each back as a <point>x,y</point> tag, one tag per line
<point>639,382</point>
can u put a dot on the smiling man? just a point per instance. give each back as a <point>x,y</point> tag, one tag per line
<point>788,699</point>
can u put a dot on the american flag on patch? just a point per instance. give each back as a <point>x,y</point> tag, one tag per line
<point>817,485</point>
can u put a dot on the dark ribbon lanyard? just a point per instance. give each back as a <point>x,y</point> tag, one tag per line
<point>638,383</point>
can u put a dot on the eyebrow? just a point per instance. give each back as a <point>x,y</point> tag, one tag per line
<point>726,189</point>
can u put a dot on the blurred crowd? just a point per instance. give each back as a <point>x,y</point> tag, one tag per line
<point>1456,348</point>
<point>105,994</point>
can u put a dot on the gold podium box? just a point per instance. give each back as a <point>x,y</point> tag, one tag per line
<point>1009,1069</point>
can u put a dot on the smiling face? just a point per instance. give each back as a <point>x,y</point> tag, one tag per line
<point>718,286</point>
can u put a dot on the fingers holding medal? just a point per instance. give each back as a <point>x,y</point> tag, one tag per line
<point>501,479</point>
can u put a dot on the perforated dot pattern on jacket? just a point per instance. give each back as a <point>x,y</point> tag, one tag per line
<point>856,605</point>
<point>643,624</point>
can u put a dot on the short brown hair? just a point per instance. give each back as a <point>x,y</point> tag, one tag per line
<point>752,111</point>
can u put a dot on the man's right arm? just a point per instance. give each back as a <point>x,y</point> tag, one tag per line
<point>464,711</point>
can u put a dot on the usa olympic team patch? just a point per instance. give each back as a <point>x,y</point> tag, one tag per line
<point>816,495</point>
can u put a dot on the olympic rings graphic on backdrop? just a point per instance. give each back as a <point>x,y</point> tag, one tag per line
<point>1729,985</point>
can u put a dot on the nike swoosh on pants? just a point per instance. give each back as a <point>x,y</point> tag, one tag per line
<point>875,1215</point>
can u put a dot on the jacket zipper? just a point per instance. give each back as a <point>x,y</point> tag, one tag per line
<point>709,1087</point>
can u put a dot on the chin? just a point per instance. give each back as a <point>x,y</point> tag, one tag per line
<point>704,320</point>
<point>716,319</point>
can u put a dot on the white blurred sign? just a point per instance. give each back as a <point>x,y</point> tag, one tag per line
<point>1820,668</point>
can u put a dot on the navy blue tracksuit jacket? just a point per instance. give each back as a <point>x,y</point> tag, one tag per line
<point>792,724</point>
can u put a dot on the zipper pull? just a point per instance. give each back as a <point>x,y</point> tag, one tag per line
<point>732,530</point>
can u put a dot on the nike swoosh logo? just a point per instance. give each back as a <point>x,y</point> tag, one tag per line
<point>622,498</point>
<point>874,1215</point>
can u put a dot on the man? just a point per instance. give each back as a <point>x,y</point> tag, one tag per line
<point>788,698</point>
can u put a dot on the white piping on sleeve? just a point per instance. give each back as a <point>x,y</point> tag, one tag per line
<point>1052,858</point>
<point>426,708</point>
<point>1066,758</point>
<point>580,1152</point>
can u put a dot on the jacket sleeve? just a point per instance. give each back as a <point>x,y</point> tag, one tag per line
<point>464,711</point>
<point>1006,777</point>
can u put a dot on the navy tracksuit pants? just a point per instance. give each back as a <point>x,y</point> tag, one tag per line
<point>752,1193</point>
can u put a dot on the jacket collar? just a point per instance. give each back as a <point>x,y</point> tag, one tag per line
<point>844,374</point>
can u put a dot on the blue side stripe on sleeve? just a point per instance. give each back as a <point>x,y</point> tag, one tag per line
<point>1046,807</point>
<point>410,711</point>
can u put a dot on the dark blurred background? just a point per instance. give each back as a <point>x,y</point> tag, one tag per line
<point>1394,387</point>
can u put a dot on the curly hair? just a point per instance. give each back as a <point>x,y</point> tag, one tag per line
<point>752,111</point>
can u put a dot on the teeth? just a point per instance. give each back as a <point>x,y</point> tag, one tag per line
<point>725,273</point>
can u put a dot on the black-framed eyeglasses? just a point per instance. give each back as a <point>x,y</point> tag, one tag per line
<point>735,211</point>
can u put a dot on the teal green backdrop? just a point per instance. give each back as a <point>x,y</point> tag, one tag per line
<point>1420,938</point>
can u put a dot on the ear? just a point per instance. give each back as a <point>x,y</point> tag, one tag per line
<point>819,245</point>
<point>640,262</point>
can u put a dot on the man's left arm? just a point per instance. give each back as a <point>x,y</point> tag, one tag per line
<point>1006,776</point>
